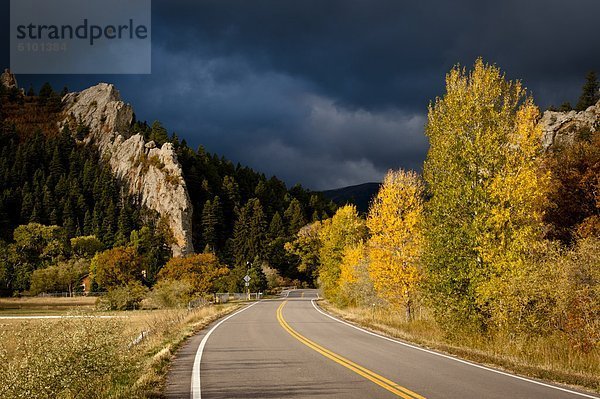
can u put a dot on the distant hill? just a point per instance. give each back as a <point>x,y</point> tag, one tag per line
<point>359,195</point>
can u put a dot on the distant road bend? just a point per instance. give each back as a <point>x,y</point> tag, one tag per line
<point>289,348</point>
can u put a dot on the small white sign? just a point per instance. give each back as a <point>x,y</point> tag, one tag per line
<point>247,278</point>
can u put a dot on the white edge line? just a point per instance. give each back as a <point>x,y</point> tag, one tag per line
<point>196,388</point>
<point>313,301</point>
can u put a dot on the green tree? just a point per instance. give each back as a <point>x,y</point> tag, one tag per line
<point>152,245</point>
<point>258,279</point>
<point>86,246</point>
<point>158,134</point>
<point>590,92</point>
<point>65,276</point>
<point>306,247</point>
<point>345,229</point>
<point>294,215</point>
<point>487,194</point>
<point>212,218</point>
<point>39,243</point>
<point>6,270</point>
<point>117,267</point>
<point>200,271</point>
<point>249,233</point>
<point>45,93</point>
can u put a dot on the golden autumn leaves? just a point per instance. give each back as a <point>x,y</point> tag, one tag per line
<point>458,233</point>
<point>395,222</point>
<point>380,257</point>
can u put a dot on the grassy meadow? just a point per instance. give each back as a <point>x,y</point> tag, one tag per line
<point>92,357</point>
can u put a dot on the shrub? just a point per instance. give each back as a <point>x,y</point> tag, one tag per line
<point>126,297</point>
<point>170,294</point>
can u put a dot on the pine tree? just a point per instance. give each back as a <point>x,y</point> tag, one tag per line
<point>45,92</point>
<point>56,166</point>
<point>158,134</point>
<point>69,219</point>
<point>26,203</point>
<point>294,215</point>
<point>258,230</point>
<point>249,233</point>
<point>276,227</point>
<point>97,221</point>
<point>241,233</point>
<point>36,213</point>
<point>590,93</point>
<point>124,225</point>
<point>88,225</point>
<point>258,279</point>
<point>211,221</point>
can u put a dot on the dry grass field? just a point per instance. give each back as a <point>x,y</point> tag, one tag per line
<point>550,358</point>
<point>92,357</point>
<point>45,305</point>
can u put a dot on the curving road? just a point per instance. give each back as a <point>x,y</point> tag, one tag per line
<point>289,348</point>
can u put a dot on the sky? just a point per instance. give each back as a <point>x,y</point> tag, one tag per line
<point>331,93</point>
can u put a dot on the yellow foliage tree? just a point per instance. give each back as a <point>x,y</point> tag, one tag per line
<point>356,286</point>
<point>200,271</point>
<point>395,245</point>
<point>344,229</point>
<point>487,192</point>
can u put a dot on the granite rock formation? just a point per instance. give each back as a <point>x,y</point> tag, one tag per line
<point>151,174</point>
<point>562,128</point>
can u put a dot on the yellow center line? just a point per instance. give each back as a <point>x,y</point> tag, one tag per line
<point>383,382</point>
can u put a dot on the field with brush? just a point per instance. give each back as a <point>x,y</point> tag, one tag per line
<point>91,357</point>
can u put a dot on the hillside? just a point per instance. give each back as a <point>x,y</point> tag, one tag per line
<point>81,162</point>
<point>359,195</point>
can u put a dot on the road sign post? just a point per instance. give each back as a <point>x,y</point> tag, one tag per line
<point>247,279</point>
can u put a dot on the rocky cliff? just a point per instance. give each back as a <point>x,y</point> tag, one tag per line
<point>562,128</point>
<point>151,174</point>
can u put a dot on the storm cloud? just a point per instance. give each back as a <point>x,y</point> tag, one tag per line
<point>335,92</point>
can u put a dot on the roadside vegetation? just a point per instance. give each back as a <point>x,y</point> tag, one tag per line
<point>493,254</point>
<point>89,357</point>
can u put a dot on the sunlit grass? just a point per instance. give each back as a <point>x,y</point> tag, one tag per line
<point>44,305</point>
<point>89,357</point>
<point>551,357</point>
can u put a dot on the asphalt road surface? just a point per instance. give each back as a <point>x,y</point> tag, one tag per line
<point>288,348</point>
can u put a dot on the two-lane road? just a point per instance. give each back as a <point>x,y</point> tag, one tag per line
<point>289,348</point>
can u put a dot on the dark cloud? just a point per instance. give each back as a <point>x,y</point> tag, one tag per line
<point>334,92</point>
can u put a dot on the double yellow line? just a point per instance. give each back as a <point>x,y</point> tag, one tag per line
<point>383,382</point>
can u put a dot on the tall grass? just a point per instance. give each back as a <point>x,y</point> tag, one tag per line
<point>547,357</point>
<point>92,358</point>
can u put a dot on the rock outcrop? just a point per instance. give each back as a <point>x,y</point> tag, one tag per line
<point>8,79</point>
<point>562,128</point>
<point>151,174</point>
